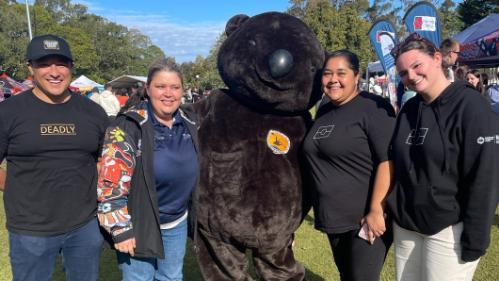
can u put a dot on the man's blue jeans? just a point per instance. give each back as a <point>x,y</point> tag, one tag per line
<point>169,268</point>
<point>33,257</point>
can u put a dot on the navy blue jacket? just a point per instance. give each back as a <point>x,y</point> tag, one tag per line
<point>128,203</point>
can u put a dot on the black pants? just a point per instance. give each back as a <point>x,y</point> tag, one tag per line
<point>356,259</point>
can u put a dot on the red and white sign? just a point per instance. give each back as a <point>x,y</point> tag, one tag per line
<point>425,23</point>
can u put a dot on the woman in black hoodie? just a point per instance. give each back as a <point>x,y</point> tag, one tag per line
<point>444,151</point>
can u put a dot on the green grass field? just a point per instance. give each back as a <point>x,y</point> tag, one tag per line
<point>311,248</point>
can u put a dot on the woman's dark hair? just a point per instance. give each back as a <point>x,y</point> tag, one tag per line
<point>162,64</point>
<point>485,79</point>
<point>414,42</point>
<point>477,74</point>
<point>350,57</point>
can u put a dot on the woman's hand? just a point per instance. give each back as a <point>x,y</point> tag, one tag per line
<point>127,246</point>
<point>3,176</point>
<point>375,221</point>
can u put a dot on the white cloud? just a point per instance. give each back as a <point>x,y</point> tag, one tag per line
<point>181,40</point>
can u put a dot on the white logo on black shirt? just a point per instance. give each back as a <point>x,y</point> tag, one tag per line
<point>417,137</point>
<point>323,132</point>
<point>486,139</point>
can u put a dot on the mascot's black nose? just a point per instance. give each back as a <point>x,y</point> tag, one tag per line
<point>280,63</point>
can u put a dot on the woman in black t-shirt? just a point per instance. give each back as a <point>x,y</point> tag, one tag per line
<point>347,155</point>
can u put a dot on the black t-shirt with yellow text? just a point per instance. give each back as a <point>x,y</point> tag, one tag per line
<point>51,152</point>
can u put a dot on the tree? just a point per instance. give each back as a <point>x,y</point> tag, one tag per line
<point>13,40</point>
<point>356,33</point>
<point>119,50</point>
<point>325,21</point>
<point>212,76</point>
<point>84,52</point>
<point>471,11</point>
<point>56,8</point>
<point>142,52</point>
<point>407,4</point>
<point>101,49</point>
<point>203,72</point>
<point>337,24</point>
<point>4,3</point>
<point>450,22</point>
<point>381,9</point>
<point>297,8</point>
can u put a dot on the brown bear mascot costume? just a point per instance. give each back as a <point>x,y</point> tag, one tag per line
<point>250,194</point>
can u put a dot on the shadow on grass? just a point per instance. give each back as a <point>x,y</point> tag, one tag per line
<point>312,276</point>
<point>191,268</point>
<point>309,219</point>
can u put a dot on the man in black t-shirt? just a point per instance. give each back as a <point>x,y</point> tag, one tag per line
<point>50,138</point>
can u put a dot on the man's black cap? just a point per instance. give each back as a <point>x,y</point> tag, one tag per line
<point>47,45</point>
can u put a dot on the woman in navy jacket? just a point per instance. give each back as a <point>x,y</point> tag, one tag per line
<point>148,171</point>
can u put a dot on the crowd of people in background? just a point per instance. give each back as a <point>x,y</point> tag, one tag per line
<point>478,78</point>
<point>377,84</point>
<point>113,100</point>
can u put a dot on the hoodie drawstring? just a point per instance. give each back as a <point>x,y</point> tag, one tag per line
<point>417,128</point>
<point>436,111</point>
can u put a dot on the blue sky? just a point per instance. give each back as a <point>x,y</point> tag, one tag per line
<point>181,28</point>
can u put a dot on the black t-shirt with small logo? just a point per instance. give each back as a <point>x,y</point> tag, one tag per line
<point>51,152</point>
<point>343,149</point>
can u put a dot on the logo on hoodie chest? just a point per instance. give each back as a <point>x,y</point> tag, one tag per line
<point>417,136</point>
<point>488,139</point>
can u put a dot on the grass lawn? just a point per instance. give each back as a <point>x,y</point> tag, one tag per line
<point>311,248</point>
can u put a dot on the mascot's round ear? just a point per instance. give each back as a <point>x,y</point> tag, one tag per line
<point>234,23</point>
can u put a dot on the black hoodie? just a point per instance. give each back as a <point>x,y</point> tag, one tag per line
<point>446,162</point>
